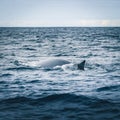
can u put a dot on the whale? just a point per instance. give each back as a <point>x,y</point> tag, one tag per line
<point>52,63</point>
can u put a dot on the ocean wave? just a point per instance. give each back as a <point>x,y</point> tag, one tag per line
<point>70,98</point>
<point>69,106</point>
<point>27,48</point>
<point>109,88</point>
<point>21,68</point>
<point>6,75</point>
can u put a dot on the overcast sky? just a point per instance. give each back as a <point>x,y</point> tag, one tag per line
<point>59,13</point>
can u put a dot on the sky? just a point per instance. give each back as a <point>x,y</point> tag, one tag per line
<point>53,13</point>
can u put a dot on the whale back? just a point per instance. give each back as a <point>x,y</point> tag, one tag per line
<point>53,62</point>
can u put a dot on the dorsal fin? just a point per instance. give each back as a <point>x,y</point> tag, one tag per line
<point>81,65</point>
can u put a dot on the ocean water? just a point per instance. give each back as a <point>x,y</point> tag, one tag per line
<point>29,92</point>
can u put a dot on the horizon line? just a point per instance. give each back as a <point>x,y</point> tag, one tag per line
<point>53,26</point>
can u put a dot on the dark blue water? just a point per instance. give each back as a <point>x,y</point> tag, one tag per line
<point>28,92</point>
